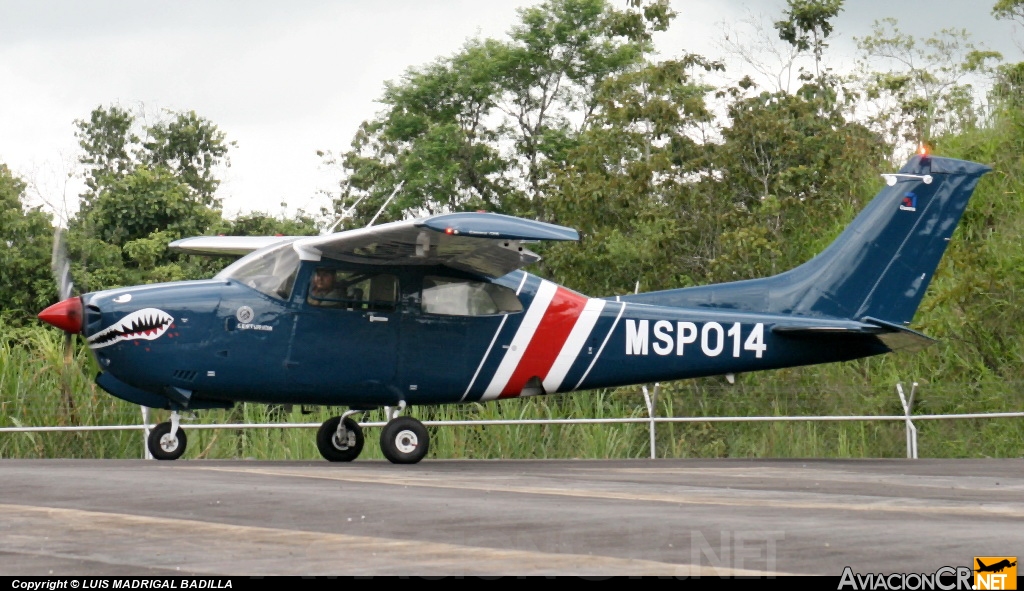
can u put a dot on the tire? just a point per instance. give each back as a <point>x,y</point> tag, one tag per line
<point>162,447</point>
<point>337,451</point>
<point>404,440</point>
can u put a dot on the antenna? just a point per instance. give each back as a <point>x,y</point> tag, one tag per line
<point>342,216</point>
<point>351,209</point>
<point>381,210</point>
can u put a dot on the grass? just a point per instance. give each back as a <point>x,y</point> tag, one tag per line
<point>33,377</point>
<point>37,388</point>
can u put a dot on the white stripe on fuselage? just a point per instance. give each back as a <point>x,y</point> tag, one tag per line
<point>574,344</point>
<point>531,320</point>
<point>608,336</point>
<point>487,353</point>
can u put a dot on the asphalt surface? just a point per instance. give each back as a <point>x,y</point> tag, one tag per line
<point>681,518</point>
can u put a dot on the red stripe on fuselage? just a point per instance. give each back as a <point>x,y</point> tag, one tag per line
<point>547,341</point>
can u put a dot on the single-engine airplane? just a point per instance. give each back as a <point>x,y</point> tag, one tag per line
<point>439,311</point>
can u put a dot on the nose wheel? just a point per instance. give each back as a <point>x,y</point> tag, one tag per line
<point>167,440</point>
<point>404,440</point>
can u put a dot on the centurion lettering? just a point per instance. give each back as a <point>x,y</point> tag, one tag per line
<point>677,338</point>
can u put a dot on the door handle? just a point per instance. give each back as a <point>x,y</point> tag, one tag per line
<point>378,318</point>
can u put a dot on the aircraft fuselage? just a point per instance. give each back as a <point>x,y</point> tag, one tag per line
<point>203,344</point>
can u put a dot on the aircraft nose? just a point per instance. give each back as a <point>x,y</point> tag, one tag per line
<point>66,315</point>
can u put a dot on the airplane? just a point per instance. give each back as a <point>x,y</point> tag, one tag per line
<point>439,310</point>
<point>994,568</point>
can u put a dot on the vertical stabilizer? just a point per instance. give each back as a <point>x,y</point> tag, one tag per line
<point>879,267</point>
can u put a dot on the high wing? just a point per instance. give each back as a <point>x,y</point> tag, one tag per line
<point>226,245</point>
<point>482,243</point>
<point>488,244</point>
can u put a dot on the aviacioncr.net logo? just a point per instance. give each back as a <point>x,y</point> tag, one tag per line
<point>946,578</point>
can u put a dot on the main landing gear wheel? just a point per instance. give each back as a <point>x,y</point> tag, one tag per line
<point>165,447</point>
<point>404,440</point>
<point>339,445</point>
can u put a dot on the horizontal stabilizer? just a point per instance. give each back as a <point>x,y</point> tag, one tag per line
<point>895,337</point>
<point>899,337</point>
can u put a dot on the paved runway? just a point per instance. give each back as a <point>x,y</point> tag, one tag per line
<point>679,518</point>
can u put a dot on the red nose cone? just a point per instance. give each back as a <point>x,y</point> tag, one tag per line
<point>66,315</point>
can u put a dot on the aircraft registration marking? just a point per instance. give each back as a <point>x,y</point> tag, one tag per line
<point>672,338</point>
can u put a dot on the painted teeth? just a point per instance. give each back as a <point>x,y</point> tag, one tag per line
<point>146,324</point>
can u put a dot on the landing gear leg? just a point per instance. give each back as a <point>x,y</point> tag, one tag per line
<point>340,439</point>
<point>404,440</point>
<point>167,440</point>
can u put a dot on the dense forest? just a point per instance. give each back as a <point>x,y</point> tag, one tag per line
<point>672,181</point>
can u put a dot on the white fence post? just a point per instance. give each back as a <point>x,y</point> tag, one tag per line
<point>145,434</point>
<point>652,401</point>
<point>911,429</point>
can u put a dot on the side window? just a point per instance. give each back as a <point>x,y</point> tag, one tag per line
<point>461,297</point>
<point>330,288</point>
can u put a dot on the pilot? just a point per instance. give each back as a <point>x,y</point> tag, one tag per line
<point>322,291</point>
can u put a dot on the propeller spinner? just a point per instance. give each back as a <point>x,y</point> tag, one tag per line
<point>65,315</point>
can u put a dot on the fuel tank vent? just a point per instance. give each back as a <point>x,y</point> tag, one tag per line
<point>185,375</point>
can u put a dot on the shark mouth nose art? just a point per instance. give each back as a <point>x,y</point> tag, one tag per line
<point>146,324</point>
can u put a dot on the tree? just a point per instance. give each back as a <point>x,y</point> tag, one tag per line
<point>628,185</point>
<point>261,224</point>
<point>433,140</point>
<point>1009,10</point>
<point>484,128</point>
<point>921,91</point>
<point>114,144</point>
<point>793,168</point>
<point>146,186</point>
<point>807,24</point>
<point>26,284</point>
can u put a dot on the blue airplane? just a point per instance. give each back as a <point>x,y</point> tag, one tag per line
<point>438,311</point>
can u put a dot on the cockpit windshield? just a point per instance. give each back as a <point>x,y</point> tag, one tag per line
<point>271,270</point>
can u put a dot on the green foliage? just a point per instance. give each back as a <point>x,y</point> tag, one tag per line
<point>627,185</point>
<point>485,127</point>
<point>191,148</point>
<point>26,285</point>
<point>147,187</point>
<point>807,25</point>
<point>1009,10</point>
<point>794,171</point>
<point>261,224</point>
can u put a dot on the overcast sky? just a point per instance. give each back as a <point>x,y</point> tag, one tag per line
<point>285,79</point>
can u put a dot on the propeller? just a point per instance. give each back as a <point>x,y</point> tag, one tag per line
<point>60,264</point>
<point>66,314</point>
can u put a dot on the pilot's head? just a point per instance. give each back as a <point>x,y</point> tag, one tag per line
<point>323,280</point>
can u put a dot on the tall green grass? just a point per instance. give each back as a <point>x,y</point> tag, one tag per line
<point>33,375</point>
<point>33,379</point>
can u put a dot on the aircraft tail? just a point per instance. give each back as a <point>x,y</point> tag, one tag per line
<point>878,268</point>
